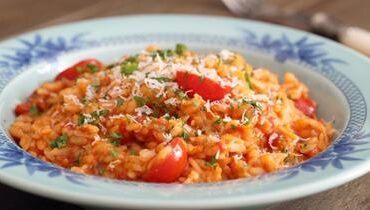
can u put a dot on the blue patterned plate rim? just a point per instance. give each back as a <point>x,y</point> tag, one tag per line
<point>347,159</point>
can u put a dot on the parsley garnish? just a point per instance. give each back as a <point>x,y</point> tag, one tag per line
<point>59,142</point>
<point>248,80</point>
<point>120,102</point>
<point>114,153</point>
<point>130,65</point>
<point>101,170</point>
<point>163,53</point>
<point>254,103</point>
<point>83,100</point>
<point>140,101</point>
<point>115,139</point>
<point>181,49</point>
<point>96,85</point>
<point>217,122</point>
<point>100,113</point>
<point>77,162</point>
<point>185,135</point>
<point>34,111</point>
<point>133,152</point>
<point>162,79</point>
<point>81,120</point>
<point>92,68</point>
<point>212,161</point>
<point>181,94</point>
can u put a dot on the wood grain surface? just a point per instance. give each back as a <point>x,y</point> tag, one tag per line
<point>19,16</point>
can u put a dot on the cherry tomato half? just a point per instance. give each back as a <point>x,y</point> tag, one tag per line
<point>307,106</point>
<point>205,87</point>
<point>72,72</point>
<point>168,164</point>
<point>22,108</point>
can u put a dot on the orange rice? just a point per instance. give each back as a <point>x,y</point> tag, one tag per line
<point>116,121</point>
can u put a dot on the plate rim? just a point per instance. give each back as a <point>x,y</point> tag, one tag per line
<point>234,202</point>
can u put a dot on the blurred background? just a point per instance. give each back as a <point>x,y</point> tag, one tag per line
<point>18,16</point>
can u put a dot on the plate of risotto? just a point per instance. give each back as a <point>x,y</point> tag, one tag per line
<point>175,111</point>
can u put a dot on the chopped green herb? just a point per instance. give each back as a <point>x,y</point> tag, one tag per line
<point>83,100</point>
<point>140,101</point>
<point>212,161</point>
<point>162,79</point>
<point>114,153</point>
<point>34,111</point>
<point>101,170</point>
<point>130,65</point>
<point>245,120</point>
<point>185,135</point>
<point>110,66</point>
<point>232,106</point>
<point>119,102</point>
<point>133,152</point>
<point>181,49</point>
<point>167,116</point>
<point>59,142</point>
<point>164,54</point>
<point>181,94</point>
<point>254,103</point>
<point>77,161</point>
<point>217,122</point>
<point>202,78</point>
<point>248,80</point>
<point>96,85</point>
<point>92,68</point>
<point>100,113</point>
<point>195,103</point>
<point>115,139</point>
<point>81,119</point>
<point>233,126</point>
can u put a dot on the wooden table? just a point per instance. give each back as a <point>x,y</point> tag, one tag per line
<point>18,16</point>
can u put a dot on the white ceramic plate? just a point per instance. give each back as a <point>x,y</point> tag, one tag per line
<point>337,78</point>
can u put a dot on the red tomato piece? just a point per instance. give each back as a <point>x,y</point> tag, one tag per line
<point>22,108</point>
<point>307,106</point>
<point>72,72</point>
<point>168,164</point>
<point>205,87</point>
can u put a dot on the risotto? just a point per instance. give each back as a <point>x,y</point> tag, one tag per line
<point>171,116</point>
